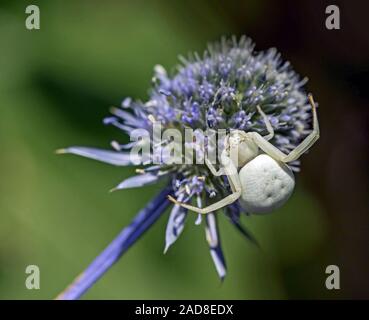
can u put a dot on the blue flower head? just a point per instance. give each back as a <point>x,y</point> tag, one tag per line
<point>219,90</point>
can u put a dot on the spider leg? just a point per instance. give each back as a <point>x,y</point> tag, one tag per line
<point>307,143</point>
<point>212,169</point>
<point>309,140</point>
<point>235,184</point>
<point>213,207</point>
<point>267,147</point>
<point>267,124</point>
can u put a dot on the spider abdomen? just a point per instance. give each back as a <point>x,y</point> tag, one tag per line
<point>266,184</point>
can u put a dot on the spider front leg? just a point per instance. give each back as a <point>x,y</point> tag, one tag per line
<point>213,170</point>
<point>309,140</point>
<point>267,124</point>
<point>234,181</point>
<point>307,143</point>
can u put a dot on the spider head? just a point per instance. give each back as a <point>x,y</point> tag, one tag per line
<point>240,147</point>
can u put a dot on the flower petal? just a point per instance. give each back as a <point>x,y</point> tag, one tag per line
<point>199,216</point>
<point>175,224</point>
<point>137,181</point>
<point>233,214</point>
<point>107,156</point>
<point>212,236</point>
<point>127,237</point>
<point>129,119</point>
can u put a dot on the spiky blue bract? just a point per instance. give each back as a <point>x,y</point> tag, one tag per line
<point>128,236</point>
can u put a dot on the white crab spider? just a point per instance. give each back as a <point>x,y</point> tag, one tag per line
<point>264,182</point>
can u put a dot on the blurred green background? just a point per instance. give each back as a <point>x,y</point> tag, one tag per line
<point>56,85</point>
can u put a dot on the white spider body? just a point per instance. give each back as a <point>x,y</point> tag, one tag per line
<point>266,184</point>
<point>257,171</point>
